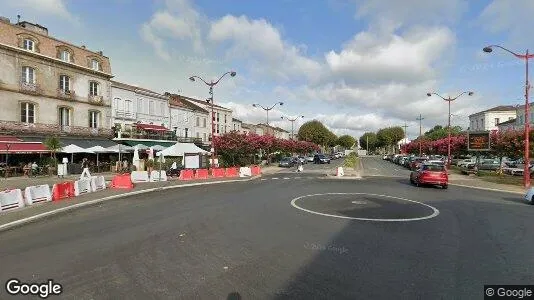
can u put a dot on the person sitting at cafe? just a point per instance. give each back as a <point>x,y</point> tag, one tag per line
<point>26,169</point>
<point>35,169</point>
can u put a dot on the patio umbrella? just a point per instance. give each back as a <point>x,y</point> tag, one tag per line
<point>141,147</point>
<point>158,147</point>
<point>71,149</point>
<point>136,160</point>
<point>97,150</point>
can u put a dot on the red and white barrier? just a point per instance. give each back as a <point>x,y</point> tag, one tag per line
<point>231,172</point>
<point>156,176</point>
<point>202,174</point>
<point>340,172</point>
<point>139,176</point>
<point>122,181</point>
<point>255,170</point>
<point>187,174</point>
<point>245,172</point>
<point>217,172</point>
<point>62,190</point>
<point>37,194</point>
<point>10,199</point>
<point>82,186</point>
<point>98,183</point>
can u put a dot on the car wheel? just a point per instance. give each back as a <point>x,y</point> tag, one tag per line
<point>417,184</point>
<point>411,181</point>
<point>446,186</point>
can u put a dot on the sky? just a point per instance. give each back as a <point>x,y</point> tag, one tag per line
<point>355,65</point>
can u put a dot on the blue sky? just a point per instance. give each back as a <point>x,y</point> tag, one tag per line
<point>356,65</point>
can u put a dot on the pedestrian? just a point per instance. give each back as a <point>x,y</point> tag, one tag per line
<point>85,167</point>
<point>35,169</point>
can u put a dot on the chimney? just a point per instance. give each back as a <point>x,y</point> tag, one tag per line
<point>83,46</point>
<point>101,53</point>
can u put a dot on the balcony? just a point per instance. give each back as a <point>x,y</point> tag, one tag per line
<point>29,88</point>
<point>17,128</point>
<point>96,99</point>
<point>161,136</point>
<point>66,94</point>
<point>124,114</point>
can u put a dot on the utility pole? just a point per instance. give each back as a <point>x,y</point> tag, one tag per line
<point>405,136</point>
<point>367,141</point>
<point>420,119</point>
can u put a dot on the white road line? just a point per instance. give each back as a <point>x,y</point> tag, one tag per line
<point>286,178</point>
<point>263,179</point>
<point>297,177</point>
<point>275,178</point>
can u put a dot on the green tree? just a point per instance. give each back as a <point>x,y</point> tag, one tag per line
<point>53,144</point>
<point>346,141</point>
<point>439,132</point>
<point>314,131</point>
<point>369,138</point>
<point>389,137</point>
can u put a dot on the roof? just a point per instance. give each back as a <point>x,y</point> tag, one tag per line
<point>204,103</point>
<point>507,122</point>
<point>185,102</point>
<point>497,108</point>
<point>236,120</point>
<point>247,125</point>
<point>273,128</point>
<point>132,88</point>
<point>151,127</point>
<point>22,147</point>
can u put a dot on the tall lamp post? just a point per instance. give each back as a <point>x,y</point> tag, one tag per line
<point>449,100</point>
<point>268,109</point>
<point>211,84</point>
<point>420,119</point>
<point>292,125</point>
<point>525,57</point>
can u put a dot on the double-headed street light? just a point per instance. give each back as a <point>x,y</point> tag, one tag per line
<point>211,84</point>
<point>292,125</point>
<point>525,57</point>
<point>449,100</point>
<point>267,109</point>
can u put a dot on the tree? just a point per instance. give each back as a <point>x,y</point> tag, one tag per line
<point>439,132</point>
<point>315,132</point>
<point>390,136</point>
<point>369,138</point>
<point>53,144</point>
<point>346,141</point>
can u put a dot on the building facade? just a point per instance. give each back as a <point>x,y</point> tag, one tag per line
<point>237,125</point>
<point>489,119</point>
<point>188,119</point>
<point>251,128</point>
<point>274,131</point>
<point>51,87</point>
<point>222,116</point>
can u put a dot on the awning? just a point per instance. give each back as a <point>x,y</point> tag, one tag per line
<point>133,143</point>
<point>80,142</point>
<point>22,147</point>
<point>151,127</point>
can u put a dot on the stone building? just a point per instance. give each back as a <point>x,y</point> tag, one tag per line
<point>51,87</point>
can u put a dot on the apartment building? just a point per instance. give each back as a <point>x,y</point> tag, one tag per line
<point>188,119</point>
<point>237,125</point>
<point>274,131</point>
<point>222,116</point>
<point>490,118</point>
<point>51,87</point>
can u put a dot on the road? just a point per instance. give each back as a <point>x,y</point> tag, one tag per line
<point>376,166</point>
<point>260,240</point>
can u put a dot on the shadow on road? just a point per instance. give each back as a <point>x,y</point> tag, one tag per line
<point>234,296</point>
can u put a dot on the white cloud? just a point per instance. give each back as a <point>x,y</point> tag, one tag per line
<point>50,7</point>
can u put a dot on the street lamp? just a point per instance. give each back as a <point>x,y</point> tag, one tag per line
<point>526,57</point>
<point>267,109</point>
<point>292,125</point>
<point>449,100</point>
<point>211,84</point>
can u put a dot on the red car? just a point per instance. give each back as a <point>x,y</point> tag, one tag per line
<point>430,174</point>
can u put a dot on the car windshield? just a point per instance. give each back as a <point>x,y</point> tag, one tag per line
<point>433,168</point>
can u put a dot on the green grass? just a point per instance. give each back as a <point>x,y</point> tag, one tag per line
<point>352,161</point>
<point>493,177</point>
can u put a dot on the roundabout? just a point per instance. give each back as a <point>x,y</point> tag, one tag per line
<point>365,207</point>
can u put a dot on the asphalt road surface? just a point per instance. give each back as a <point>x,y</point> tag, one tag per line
<point>298,238</point>
<point>311,168</point>
<point>376,166</point>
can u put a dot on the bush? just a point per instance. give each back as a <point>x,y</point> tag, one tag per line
<point>351,161</point>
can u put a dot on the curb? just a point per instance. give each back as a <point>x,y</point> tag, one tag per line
<point>20,222</point>
<point>487,189</point>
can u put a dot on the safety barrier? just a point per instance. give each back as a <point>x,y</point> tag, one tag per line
<point>98,183</point>
<point>62,190</point>
<point>122,181</point>
<point>202,174</point>
<point>82,186</point>
<point>10,199</point>
<point>245,172</point>
<point>255,170</point>
<point>140,176</point>
<point>340,172</point>
<point>36,194</point>
<point>231,172</point>
<point>217,172</point>
<point>187,174</point>
<point>156,175</point>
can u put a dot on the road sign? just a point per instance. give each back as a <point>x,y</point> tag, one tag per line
<point>479,141</point>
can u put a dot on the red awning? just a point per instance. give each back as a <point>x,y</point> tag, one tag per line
<point>22,147</point>
<point>151,127</point>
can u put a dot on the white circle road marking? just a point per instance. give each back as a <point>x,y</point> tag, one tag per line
<point>434,214</point>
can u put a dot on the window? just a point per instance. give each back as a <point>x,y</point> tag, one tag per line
<point>234,126</point>
<point>186,131</point>
<point>496,121</point>
<point>93,119</point>
<point>151,108</point>
<point>95,65</point>
<point>217,117</point>
<point>140,105</point>
<point>205,137</point>
<point>93,88</point>
<point>198,122</point>
<point>28,75</point>
<point>64,116</point>
<point>29,45</point>
<point>64,83</point>
<point>27,112</point>
<point>213,117</point>
<point>162,108</point>
<point>128,106</point>
<point>217,128</point>
<point>204,122</point>
<point>198,135</point>
<point>224,118</point>
<point>64,56</point>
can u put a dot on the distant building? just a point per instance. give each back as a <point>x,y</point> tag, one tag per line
<point>222,116</point>
<point>275,131</point>
<point>188,119</point>
<point>237,125</point>
<point>490,118</point>
<point>508,125</point>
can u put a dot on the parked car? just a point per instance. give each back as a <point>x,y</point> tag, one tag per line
<point>385,157</point>
<point>310,158</point>
<point>321,159</point>
<point>416,162</point>
<point>302,160</point>
<point>287,162</point>
<point>430,174</point>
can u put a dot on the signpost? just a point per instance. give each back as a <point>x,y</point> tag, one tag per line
<point>479,141</point>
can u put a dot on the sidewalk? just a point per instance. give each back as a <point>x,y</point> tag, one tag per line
<point>23,182</point>
<point>96,197</point>
<point>474,182</point>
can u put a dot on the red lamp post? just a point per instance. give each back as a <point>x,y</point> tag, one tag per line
<point>211,84</point>
<point>525,57</point>
<point>449,100</point>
